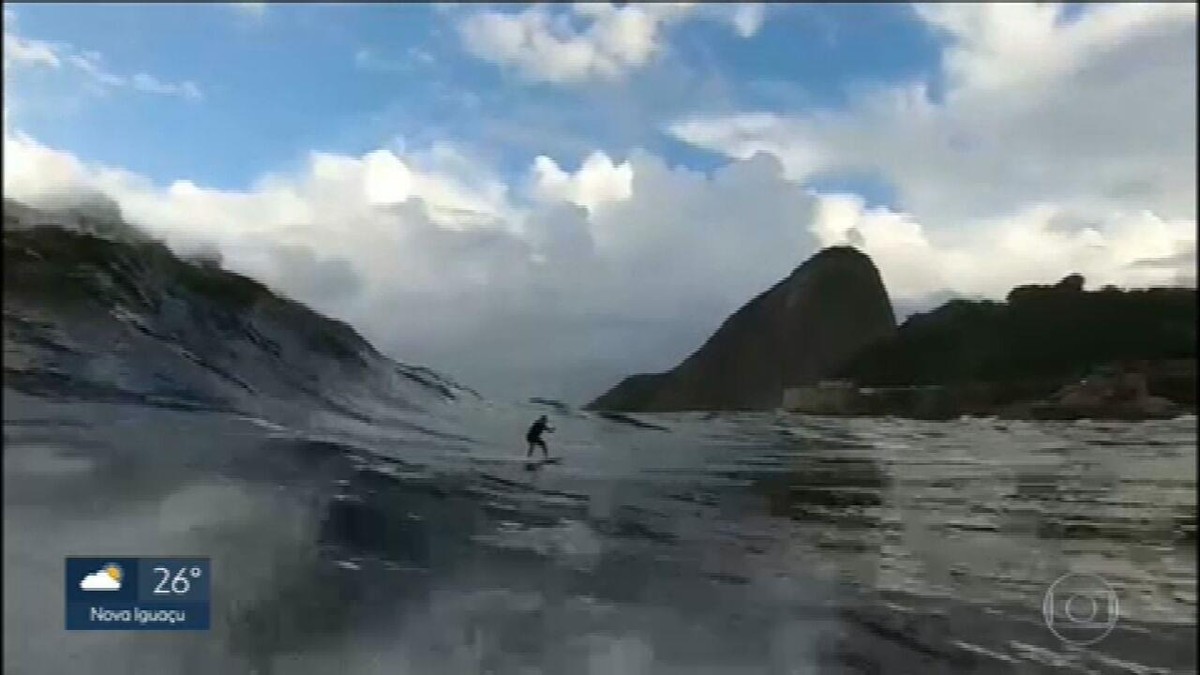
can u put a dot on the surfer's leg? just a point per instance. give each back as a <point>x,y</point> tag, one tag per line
<point>529,452</point>
<point>545,450</point>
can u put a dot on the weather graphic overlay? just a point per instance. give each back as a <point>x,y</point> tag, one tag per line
<point>138,593</point>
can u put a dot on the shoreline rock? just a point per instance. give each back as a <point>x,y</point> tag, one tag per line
<point>1110,393</point>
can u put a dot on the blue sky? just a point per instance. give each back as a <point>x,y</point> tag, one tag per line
<point>347,79</point>
<point>542,199</point>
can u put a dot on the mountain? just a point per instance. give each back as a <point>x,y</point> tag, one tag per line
<point>1040,333</point>
<point>801,330</point>
<point>95,308</point>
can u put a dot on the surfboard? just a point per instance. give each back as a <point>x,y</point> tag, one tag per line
<point>537,463</point>
<point>512,459</point>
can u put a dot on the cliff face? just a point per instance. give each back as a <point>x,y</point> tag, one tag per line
<point>806,327</point>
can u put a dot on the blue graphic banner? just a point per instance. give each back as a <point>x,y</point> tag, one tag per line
<point>138,593</point>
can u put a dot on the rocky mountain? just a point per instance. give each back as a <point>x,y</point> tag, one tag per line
<point>803,329</point>
<point>1053,333</point>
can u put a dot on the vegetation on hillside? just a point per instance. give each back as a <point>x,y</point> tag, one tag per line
<point>1038,333</point>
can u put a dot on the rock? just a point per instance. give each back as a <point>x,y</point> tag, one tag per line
<point>1156,406</point>
<point>634,393</point>
<point>1109,393</point>
<point>800,331</point>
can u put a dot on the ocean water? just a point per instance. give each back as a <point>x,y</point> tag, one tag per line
<point>414,543</point>
<point>368,517</point>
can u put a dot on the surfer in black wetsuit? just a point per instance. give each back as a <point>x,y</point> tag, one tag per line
<point>534,436</point>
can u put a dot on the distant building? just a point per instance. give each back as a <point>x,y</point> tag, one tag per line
<point>842,397</point>
<point>827,397</point>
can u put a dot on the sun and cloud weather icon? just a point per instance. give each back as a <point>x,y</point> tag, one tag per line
<point>107,578</point>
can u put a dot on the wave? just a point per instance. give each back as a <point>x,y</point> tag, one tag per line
<point>94,309</point>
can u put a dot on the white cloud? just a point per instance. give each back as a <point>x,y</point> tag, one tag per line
<point>747,18</point>
<point>438,261</point>
<point>416,57</point>
<point>1002,46</point>
<point>544,44</point>
<point>151,85</point>
<point>1110,119</point>
<point>421,55</point>
<point>251,9</point>
<point>598,181</point>
<point>1059,145</point>
<point>99,581</point>
<point>1038,245</point>
<point>19,50</point>
<point>26,52</point>
<point>90,63</point>
<point>368,59</point>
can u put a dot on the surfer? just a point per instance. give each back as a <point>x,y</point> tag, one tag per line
<point>534,436</point>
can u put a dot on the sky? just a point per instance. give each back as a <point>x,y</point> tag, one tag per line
<point>540,200</point>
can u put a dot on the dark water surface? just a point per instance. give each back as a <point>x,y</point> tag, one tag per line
<point>413,542</point>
